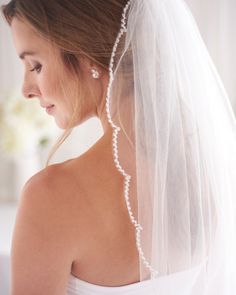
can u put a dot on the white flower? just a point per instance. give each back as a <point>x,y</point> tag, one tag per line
<point>23,123</point>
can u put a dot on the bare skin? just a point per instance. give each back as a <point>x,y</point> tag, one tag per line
<point>107,254</point>
<point>72,216</point>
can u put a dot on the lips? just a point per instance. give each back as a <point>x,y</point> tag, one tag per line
<point>47,106</point>
<point>49,109</point>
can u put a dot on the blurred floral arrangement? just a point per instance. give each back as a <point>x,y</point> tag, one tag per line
<point>23,125</point>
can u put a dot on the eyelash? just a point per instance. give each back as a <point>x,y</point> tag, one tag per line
<point>36,68</point>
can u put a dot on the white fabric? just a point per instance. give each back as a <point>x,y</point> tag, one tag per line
<point>174,284</point>
<point>174,142</point>
<point>217,23</point>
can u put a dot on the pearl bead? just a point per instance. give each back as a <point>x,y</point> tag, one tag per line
<point>138,227</point>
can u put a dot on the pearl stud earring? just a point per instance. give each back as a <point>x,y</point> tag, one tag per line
<point>95,73</point>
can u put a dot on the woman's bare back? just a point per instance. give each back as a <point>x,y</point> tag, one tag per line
<point>102,230</point>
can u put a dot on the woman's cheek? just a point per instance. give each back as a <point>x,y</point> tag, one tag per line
<point>47,87</point>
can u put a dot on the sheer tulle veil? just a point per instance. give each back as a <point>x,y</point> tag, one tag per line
<point>174,141</point>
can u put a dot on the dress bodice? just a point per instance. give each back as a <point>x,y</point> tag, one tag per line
<point>173,284</point>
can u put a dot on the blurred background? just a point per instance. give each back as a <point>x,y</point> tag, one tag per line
<point>27,133</point>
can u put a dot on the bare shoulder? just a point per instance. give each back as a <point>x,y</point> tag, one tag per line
<point>49,180</point>
<point>54,184</point>
<point>43,248</point>
<point>53,194</point>
<point>46,199</point>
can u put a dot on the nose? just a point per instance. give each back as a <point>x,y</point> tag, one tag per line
<point>29,88</point>
<point>29,92</point>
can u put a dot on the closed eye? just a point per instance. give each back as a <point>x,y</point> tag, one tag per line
<point>37,68</point>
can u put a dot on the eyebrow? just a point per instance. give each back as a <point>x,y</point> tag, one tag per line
<point>24,53</point>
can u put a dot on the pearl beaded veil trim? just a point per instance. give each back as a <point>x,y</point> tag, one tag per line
<point>174,128</point>
<point>116,129</point>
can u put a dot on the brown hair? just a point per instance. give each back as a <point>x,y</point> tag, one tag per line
<point>77,27</point>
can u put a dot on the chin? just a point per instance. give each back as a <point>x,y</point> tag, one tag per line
<point>62,124</point>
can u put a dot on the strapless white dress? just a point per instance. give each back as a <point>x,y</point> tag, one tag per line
<point>173,284</point>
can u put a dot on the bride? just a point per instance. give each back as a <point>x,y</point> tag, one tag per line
<point>150,208</point>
